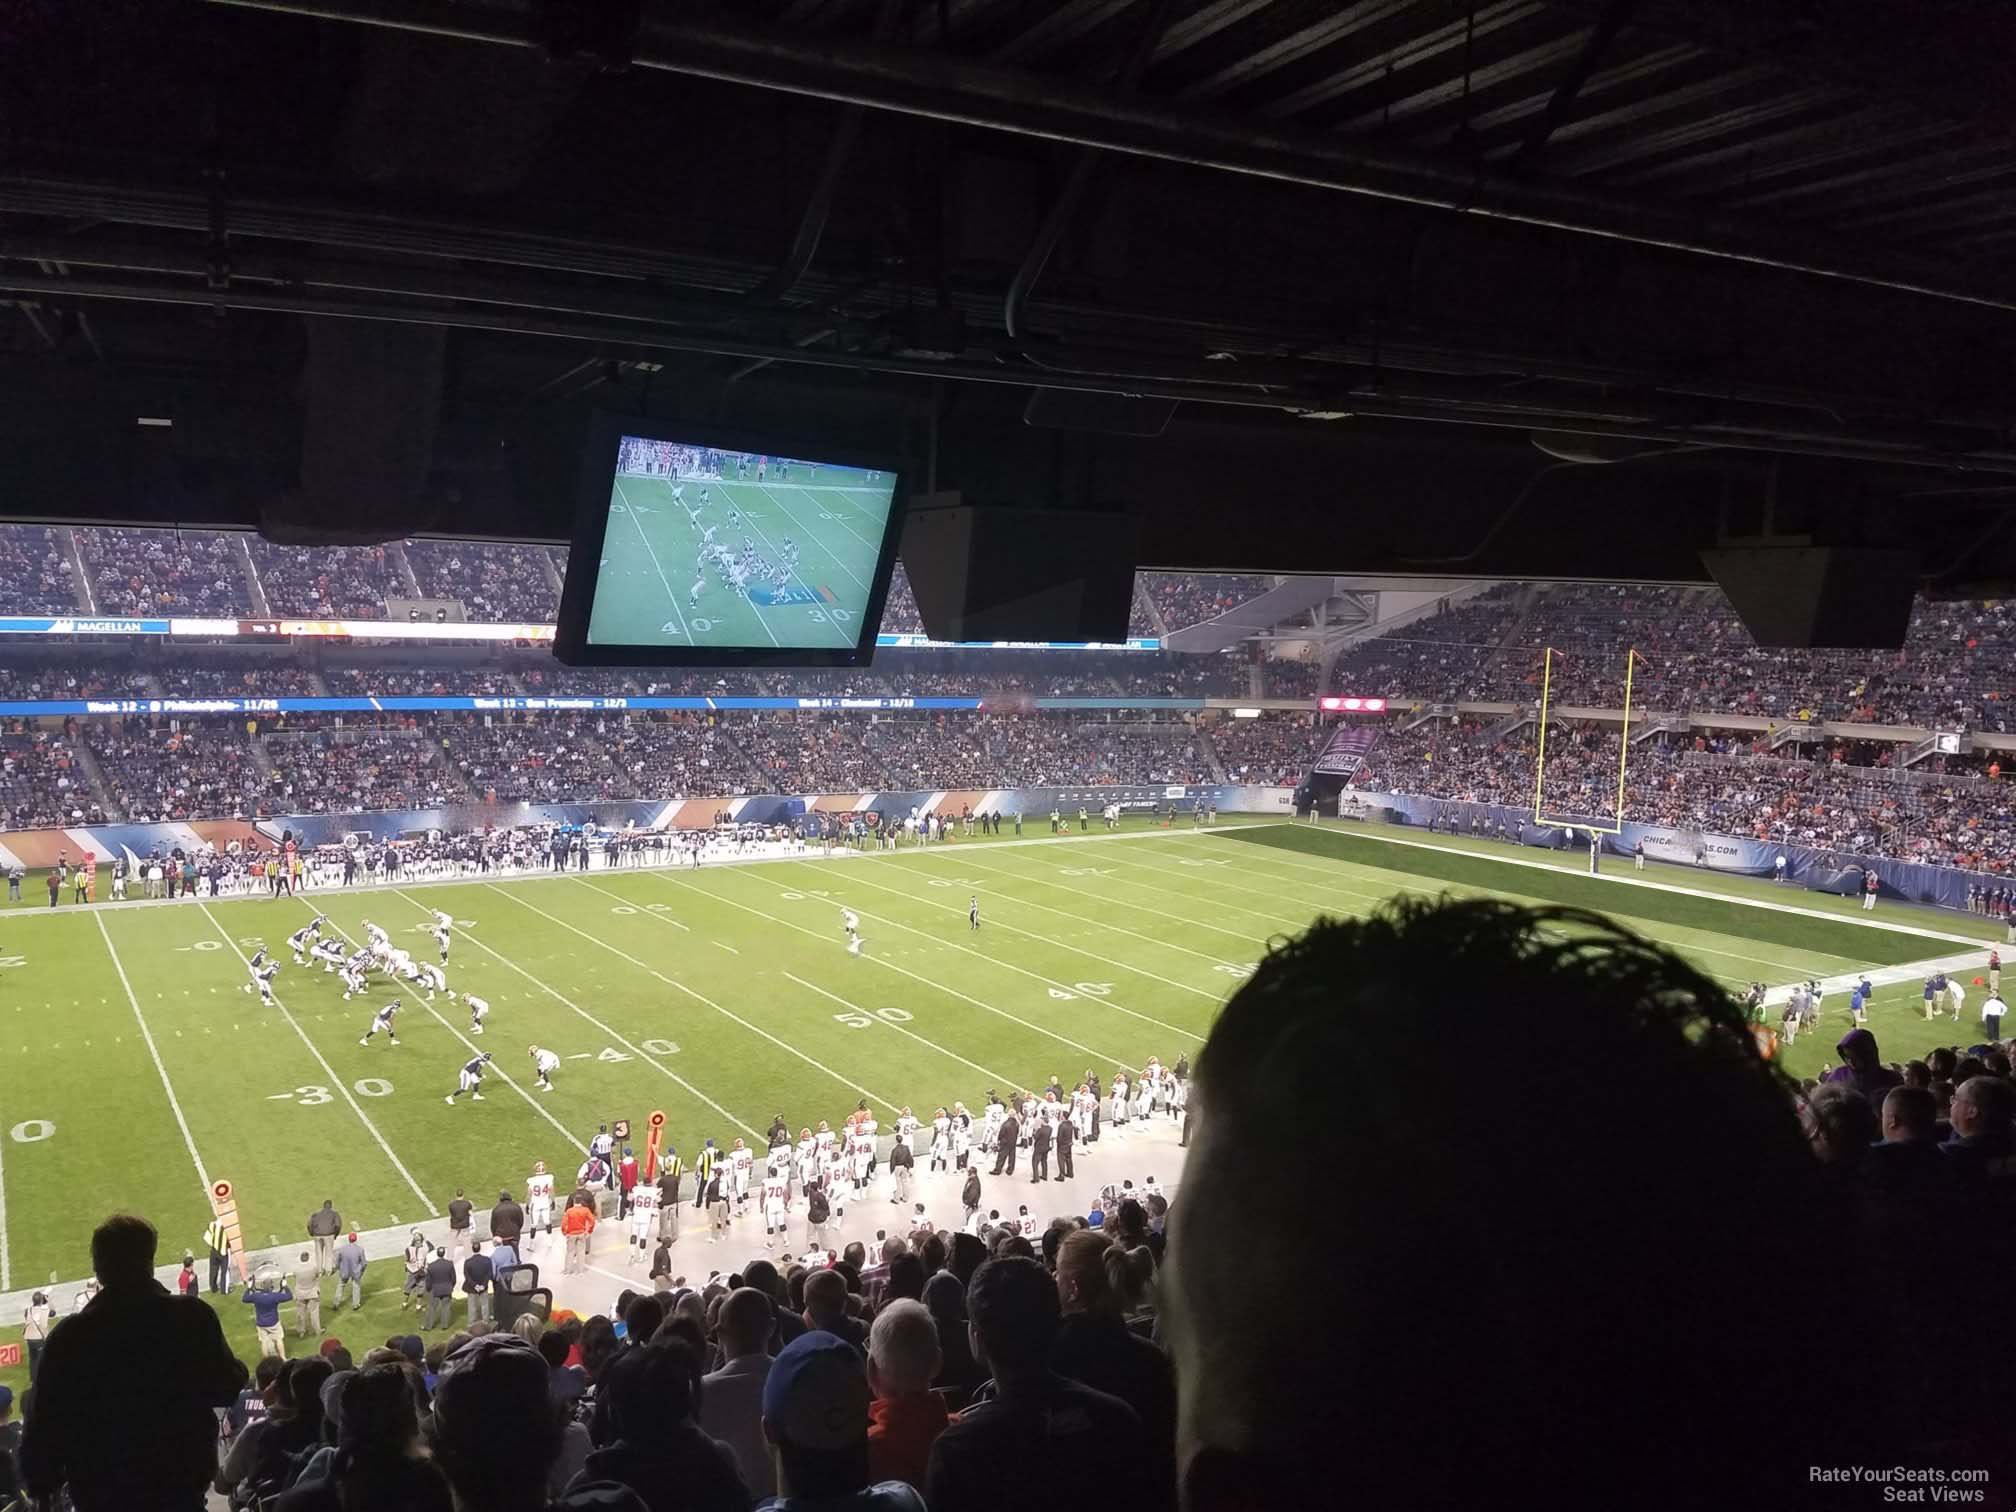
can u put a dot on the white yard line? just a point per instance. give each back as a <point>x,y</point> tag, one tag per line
<point>1037,976</point>
<point>174,1103</point>
<point>807,491</point>
<point>991,1075</point>
<point>1036,879</point>
<point>905,971</point>
<point>474,1048</point>
<point>679,986</point>
<point>335,1081</point>
<point>1668,887</point>
<point>670,596</point>
<point>559,996</point>
<point>800,524</point>
<point>1059,944</point>
<point>1641,926</point>
<point>795,576</point>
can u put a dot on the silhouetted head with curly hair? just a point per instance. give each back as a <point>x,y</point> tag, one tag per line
<point>1477,1208</point>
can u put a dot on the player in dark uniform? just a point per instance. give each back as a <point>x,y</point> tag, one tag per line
<point>382,1020</point>
<point>471,1080</point>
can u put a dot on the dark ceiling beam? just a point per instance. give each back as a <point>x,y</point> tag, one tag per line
<point>938,88</point>
<point>1594,48</point>
<point>1377,397</point>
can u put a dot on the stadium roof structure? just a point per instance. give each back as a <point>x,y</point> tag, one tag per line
<point>1539,288</point>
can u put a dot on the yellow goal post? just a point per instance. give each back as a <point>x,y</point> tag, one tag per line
<point>1631,660</point>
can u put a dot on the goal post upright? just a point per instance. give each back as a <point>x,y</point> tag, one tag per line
<point>1616,826</point>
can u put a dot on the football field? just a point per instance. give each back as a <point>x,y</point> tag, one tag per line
<point>652,558</point>
<point>139,1071</point>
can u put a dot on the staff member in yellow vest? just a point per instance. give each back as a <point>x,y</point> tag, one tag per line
<point>703,1172</point>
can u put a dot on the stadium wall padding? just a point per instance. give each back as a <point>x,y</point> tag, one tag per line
<point>1820,870</point>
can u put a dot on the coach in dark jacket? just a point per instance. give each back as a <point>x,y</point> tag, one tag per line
<point>1005,1140</point>
<point>125,1395</point>
<point>1067,1135</point>
<point>1039,1150</point>
<point>507,1219</point>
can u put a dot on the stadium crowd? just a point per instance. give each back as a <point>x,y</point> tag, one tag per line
<point>1729,785</point>
<point>41,785</point>
<point>496,581</point>
<point>358,770</point>
<point>1188,598</point>
<point>197,573</point>
<point>36,576</point>
<point>269,677</point>
<point>323,582</point>
<point>176,772</point>
<point>1274,750</point>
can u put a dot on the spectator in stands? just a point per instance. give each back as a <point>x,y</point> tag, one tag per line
<point>1096,1348</point>
<point>826,1308</point>
<point>1862,1067</point>
<point>1422,1387</point>
<point>731,1398</point>
<point>378,1461</point>
<point>1030,1415</point>
<point>648,1397</point>
<point>815,1415</point>
<point>906,1416</point>
<point>1983,1137</point>
<point>495,1434</point>
<point>124,1411</point>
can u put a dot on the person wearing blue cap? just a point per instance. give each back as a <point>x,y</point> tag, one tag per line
<point>815,1419</point>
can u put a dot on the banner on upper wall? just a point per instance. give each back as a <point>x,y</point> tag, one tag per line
<point>1346,750</point>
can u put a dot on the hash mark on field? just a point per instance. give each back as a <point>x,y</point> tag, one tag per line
<point>729,948</point>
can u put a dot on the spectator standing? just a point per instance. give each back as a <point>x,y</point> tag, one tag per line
<point>906,1416</point>
<point>307,1296</point>
<point>36,1322</point>
<point>350,1264</point>
<point>459,1210</point>
<point>1030,1415</point>
<point>1096,1348</point>
<point>324,1225</point>
<point>265,1303</point>
<point>476,1277</point>
<point>440,1292</point>
<point>125,1402</point>
<point>731,1398</point>
<point>815,1415</point>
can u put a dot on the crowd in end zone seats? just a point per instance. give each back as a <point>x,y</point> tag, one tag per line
<point>1844,797</point>
<point>191,573</point>
<point>1275,750</point>
<point>496,581</point>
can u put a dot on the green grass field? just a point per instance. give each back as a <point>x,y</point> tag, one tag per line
<point>652,553</point>
<point>139,1070</point>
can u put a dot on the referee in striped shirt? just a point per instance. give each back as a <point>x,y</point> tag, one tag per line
<point>703,1172</point>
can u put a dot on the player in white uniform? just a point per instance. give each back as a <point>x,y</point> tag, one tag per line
<point>851,922</point>
<point>862,1149</point>
<point>379,941</point>
<point>741,1167</point>
<point>776,1201</point>
<point>941,1140</point>
<point>443,923</point>
<point>806,1165</point>
<point>962,1136</point>
<point>906,1130</point>
<point>479,1010</point>
<point>382,1022</point>
<point>643,1220</point>
<point>545,1062</point>
<point>471,1079</point>
<point>539,1200</point>
<point>427,976</point>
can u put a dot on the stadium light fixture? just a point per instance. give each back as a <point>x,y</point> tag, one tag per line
<point>159,422</point>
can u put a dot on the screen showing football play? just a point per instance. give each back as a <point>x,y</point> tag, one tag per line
<point>709,549</point>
